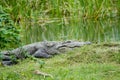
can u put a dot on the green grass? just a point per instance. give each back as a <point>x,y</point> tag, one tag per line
<point>84,20</point>
<point>93,62</point>
<point>93,20</point>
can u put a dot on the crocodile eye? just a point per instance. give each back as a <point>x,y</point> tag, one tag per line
<point>50,44</point>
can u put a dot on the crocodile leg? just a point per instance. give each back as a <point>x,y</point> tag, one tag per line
<point>8,63</point>
<point>7,60</point>
<point>41,54</point>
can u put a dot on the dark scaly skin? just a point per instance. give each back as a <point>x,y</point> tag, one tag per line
<point>40,50</point>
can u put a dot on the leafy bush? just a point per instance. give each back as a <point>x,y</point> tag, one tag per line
<point>9,34</point>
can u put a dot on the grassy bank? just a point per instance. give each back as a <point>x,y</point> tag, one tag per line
<point>94,62</point>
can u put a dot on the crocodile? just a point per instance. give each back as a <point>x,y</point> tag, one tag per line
<point>45,49</point>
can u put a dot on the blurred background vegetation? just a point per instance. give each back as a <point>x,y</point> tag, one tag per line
<point>40,20</point>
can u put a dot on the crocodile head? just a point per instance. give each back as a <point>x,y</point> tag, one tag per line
<point>58,47</point>
<point>69,45</point>
<point>72,44</point>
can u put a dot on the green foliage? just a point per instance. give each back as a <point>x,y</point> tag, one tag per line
<point>1,57</point>
<point>93,20</point>
<point>40,62</point>
<point>9,34</point>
